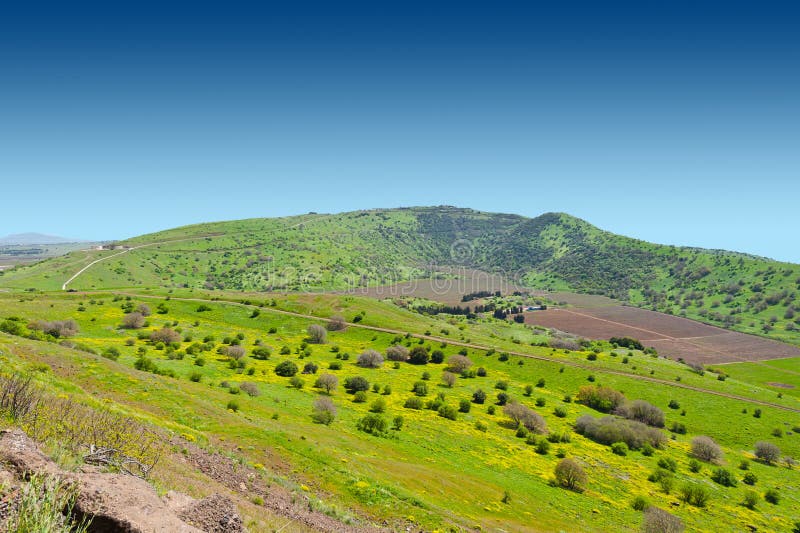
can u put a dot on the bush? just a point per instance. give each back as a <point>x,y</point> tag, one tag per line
<point>481,426</point>
<point>448,411</point>
<point>418,356</point>
<point>560,412</point>
<point>750,479</point>
<point>133,321</point>
<point>619,448</point>
<point>705,449</point>
<point>310,368</point>
<point>355,384</point>
<point>608,430</point>
<point>327,382</point>
<point>373,424</point>
<point>378,406</point>
<point>724,477</point>
<point>250,388</point>
<point>397,423</point>
<point>767,452</point>
<point>195,377</point>
<point>413,403</point>
<point>234,352</point>
<point>437,357</point>
<point>502,398</point>
<point>112,353</point>
<point>360,397</point>
<point>478,396</point>
<point>370,359</point>
<point>262,352</point>
<point>336,323</point>
<point>286,369</point>
<point>397,353</point>
<point>660,521</point>
<point>316,334</point>
<point>420,388</point>
<point>639,503</point>
<point>643,412</point>
<point>502,385</point>
<point>751,499</point>
<point>458,363</point>
<point>448,378</point>
<point>522,415</point>
<point>464,406</point>
<point>695,466</point>
<point>673,404</point>
<point>56,328</point>
<point>334,365</point>
<point>694,494</point>
<point>570,475</point>
<point>541,402</point>
<point>297,382</point>
<point>543,447</point>
<point>165,335</point>
<point>668,464</point>
<point>772,496</point>
<point>604,399</point>
<point>233,405</point>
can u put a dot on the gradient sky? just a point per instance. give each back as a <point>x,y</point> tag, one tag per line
<point>675,122</point>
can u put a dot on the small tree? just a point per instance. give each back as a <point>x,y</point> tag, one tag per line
<point>286,369</point>
<point>327,382</point>
<point>133,321</point>
<point>458,363</point>
<point>570,475</point>
<point>235,352</point>
<point>658,520</point>
<point>705,449</point>
<point>165,335</point>
<point>448,378</point>
<point>479,396</point>
<point>337,323</point>
<point>317,334</point>
<point>370,359</point>
<point>323,411</point>
<point>767,452</point>
<point>418,356</point>
<point>397,353</point>
<point>144,310</point>
<point>355,384</point>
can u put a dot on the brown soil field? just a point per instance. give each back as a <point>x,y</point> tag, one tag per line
<point>672,336</point>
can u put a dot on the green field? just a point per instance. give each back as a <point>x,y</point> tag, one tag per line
<point>416,474</point>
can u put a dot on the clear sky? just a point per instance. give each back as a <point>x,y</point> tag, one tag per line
<point>671,121</point>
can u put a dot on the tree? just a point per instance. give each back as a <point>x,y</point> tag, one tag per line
<point>373,424</point>
<point>420,388</point>
<point>286,369</point>
<point>458,363</point>
<point>705,449</point>
<point>235,352</point>
<point>643,412</point>
<point>323,411</point>
<point>522,415</point>
<point>604,399</point>
<point>767,452</point>
<point>478,396</point>
<point>337,323</point>
<point>658,520</point>
<point>418,356</point>
<point>370,359</point>
<point>144,310</point>
<point>327,382</point>
<point>448,378</point>
<point>165,335</point>
<point>397,353</point>
<point>316,334</point>
<point>570,475</point>
<point>133,321</point>
<point>355,384</point>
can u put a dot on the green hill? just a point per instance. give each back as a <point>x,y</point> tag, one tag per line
<point>553,251</point>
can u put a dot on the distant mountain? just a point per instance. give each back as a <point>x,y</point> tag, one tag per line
<point>25,239</point>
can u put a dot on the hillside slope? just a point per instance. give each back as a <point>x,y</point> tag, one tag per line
<point>552,251</point>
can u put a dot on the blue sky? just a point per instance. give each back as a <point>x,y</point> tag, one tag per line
<point>675,122</point>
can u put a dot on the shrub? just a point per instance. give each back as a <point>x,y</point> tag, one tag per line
<point>336,323</point>
<point>673,404</point>
<point>437,357</point>
<point>310,368</point>
<point>262,352</point>
<point>378,406</point>
<point>316,334</point>
<point>458,363</point>
<point>418,356</point>
<point>112,353</point>
<point>570,475</point>
<point>541,402</point>
<point>251,389</point>
<point>165,335</point>
<point>767,452</point>
<point>370,359</point>
<point>540,383</point>
<point>772,496</point>
<point>195,377</point>
<point>448,378</point>
<point>750,479</point>
<point>397,423</point>
<point>233,405</point>
<point>420,388</point>
<point>647,449</point>
<point>694,494</point>
<point>448,411</point>
<point>327,382</point>
<point>604,399</point>
<point>678,428</point>
<point>619,448</point>
<point>334,365</point>
<point>502,385</point>
<point>668,464</point>
<point>751,499</point>
<point>524,416</point>
<point>478,396</point>
<point>387,390</point>
<point>639,503</point>
<point>643,412</point>
<point>560,412</point>
<point>397,353</point>
<point>695,466</point>
<point>464,406</point>
<point>373,424</point>
<point>657,520</point>
<point>705,449</point>
<point>724,477</point>
<point>234,352</point>
<point>355,384</point>
<point>413,403</point>
<point>286,369</point>
<point>133,321</point>
<point>543,447</point>
<point>609,429</point>
<point>360,397</point>
<point>56,328</point>
<point>297,382</point>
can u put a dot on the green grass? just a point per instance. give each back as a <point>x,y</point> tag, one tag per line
<point>420,471</point>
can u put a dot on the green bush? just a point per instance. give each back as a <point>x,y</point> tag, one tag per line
<point>724,477</point>
<point>373,424</point>
<point>286,369</point>
<point>640,503</point>
<point>619,448</point>
<point>772,496</point>
<point>694,494</point>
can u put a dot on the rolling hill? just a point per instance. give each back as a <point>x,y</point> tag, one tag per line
<point>554,251</point>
